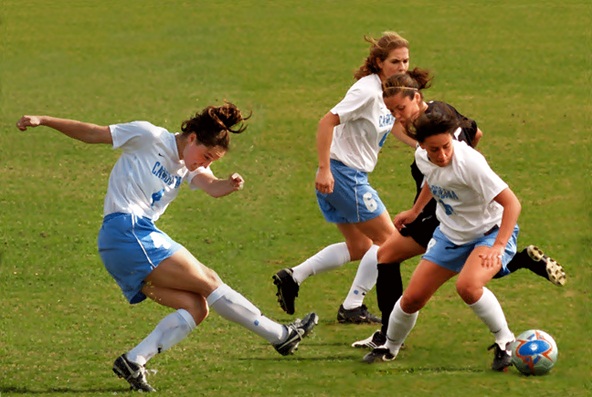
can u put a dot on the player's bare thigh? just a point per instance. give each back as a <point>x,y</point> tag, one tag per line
<point>398,248</point>
<point>182,271</point>
<point>425,281</point>
<point>195,304</point>
<point>473,277</point>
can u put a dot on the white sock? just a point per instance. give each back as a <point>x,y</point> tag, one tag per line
<point>364,281</point>
<point>329,258</point>
<point>489,310</point>
<point>399,327</point>
<point>234,307</point>
<point>170,330</point>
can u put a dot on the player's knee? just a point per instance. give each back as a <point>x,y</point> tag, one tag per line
<point>198,308</point>
<point>357,250</point>
<point>468,291</point>
<point>411,303</point>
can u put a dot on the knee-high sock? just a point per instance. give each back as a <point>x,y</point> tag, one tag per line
<point>170,330</point>
<point>389,288</point>
<point>489,310</point>
<point>329,258</point>
<point>234,307</point>
<point>364,281</point>
<point>400,325</point>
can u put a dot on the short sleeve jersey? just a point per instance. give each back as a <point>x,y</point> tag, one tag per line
<point>464,190</point>
<point>364,125</point>
<point>465,134</point>
<point>148,174</point>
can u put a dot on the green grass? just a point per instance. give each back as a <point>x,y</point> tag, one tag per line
<point>522,69</point>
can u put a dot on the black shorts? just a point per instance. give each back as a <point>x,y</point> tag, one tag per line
<point>421,229</point>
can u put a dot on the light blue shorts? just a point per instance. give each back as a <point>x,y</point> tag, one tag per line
<point>131,247</point>
<point>353,199</point>
<point>445,253</point>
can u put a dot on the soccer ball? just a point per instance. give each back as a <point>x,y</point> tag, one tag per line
<point>534,352</point>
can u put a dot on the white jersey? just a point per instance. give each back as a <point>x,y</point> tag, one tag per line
<point>365,124</point>
<point>464,190</point>
<point>149,173</point>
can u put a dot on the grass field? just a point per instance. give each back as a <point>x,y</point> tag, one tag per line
<point>522,69</point>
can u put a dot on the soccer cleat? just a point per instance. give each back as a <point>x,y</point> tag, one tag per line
<point>501,358</point>
<point>379,354</point>
<point>287,289</point>
<point>134,374</point>
<point>371,342</point>
<point>296,331</point>
<point>553,271</point>
<point>358,315</point>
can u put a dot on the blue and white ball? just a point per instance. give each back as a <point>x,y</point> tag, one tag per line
<point>534,352</point>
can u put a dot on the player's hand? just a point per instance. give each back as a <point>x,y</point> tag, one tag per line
<point>491,257</point>
<point>28,121</point>
<point>324,181</point>
<point>404,218</point>
<point>237,181</point>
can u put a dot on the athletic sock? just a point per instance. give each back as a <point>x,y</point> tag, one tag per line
<point>519,261</point>
<point>400,325</point>
<point>489,310</point>
<point>329,258</point>
<point>364,281</point>
<point>389,288</point>
<point>234,307</point>
<point>170,330</point>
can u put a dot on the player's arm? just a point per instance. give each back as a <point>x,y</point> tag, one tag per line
<point>324,181</point>
<point>215,187</point>
<point>477,138</point>
<point>82,131</point>
<point>512,207</point>
<point>409,216</point>
<point>399,132</point>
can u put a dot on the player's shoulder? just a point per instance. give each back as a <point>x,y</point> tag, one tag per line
<point>368,84</point>
<point>142,127</point>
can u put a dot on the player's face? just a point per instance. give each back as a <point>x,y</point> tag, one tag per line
<point>197,155</point>
<point>405,109</point>
<point>396,62</point>
<point>439,149</point>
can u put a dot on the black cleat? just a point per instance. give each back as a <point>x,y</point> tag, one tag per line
<point>287,289</point>
<point>379,354</point>
<point>358,315</point>
<point>501,359</point>
<point>552,271</point>
<point>297,330</point>
<point>134,374</point>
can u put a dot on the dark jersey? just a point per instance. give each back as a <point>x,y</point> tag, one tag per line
<point>422,228</point>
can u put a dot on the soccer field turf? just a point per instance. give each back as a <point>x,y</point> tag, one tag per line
<point>522,69</point>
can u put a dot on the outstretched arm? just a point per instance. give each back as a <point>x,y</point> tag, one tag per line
<point>218,187</point>
<point>85,132</point>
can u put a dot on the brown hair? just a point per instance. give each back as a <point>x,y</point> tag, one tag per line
<point>408,83</point>
<point>214,123</point>
<point>379,50</point>
<point>439,119</point>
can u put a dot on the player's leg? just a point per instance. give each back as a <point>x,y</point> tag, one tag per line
<point>191,310</point>
<point>353,309</point>
<point>424,282</point>
<point>182,271</point>
<point>471,288</point>
<point>535,260</point>
<point>389,283</point>
<point>331,257</point>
